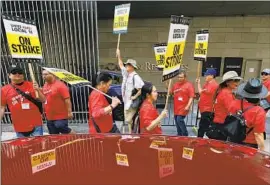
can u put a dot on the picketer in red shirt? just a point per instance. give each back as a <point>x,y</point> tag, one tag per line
<point>222,104</point>
<point>255,118</point>
<point>182,92</point>
<point>148,113</point>
<point>149,118</point>
<point>100,111</point>
<point>55,106</point>
<point>25,115</point>
<point>97,102</point>
<point>207,95</point>
<point>206,102</point>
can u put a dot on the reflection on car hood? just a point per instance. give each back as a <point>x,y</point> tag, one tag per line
<point>133,159</point>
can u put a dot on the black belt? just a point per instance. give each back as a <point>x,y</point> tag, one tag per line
<point>251,145</point>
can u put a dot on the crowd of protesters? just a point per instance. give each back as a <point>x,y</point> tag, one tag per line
<point>216,102</point>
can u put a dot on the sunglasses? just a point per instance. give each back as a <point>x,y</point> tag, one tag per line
<point>235,80</point>
<point>17,72</point>
<point>264,73</point>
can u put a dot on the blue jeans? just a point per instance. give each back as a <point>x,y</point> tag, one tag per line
<point>180,125</point>
<point>38,131</point>
<point>58,126</point>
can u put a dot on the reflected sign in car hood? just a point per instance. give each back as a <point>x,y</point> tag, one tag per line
<point>131,159</point>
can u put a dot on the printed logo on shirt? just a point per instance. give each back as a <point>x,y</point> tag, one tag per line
<point>18,98</point>
<point>177,90</point>
<point>47,91</point>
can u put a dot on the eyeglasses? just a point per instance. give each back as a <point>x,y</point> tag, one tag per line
<point>264,73</point>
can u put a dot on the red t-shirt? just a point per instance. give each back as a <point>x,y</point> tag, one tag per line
<point>222,104</point>
<point>206,99</point>
<point>97,102</point>
<point>24,114</point>
<point>267,85</point>
<point>148,113</point>
<point>182,93</point>
<point>55,106</point>
<point>255,117</point>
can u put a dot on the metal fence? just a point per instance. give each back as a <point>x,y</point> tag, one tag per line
<point>191,119</point>
<point>69,38</point>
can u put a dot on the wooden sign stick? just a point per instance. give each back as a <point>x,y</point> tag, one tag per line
<point>118,42</point>
<point>198,69</point>
<point>32,77</point>
<point>168,94</point>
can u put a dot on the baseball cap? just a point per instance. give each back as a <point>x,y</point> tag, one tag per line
<point>15,70</point>
<point>210,72</point>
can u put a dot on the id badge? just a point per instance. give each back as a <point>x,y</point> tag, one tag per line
<point>180,98</point>
<point>25,106</point>
<point>45,102</point>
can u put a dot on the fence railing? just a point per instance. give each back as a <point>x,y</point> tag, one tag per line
<point>81,117</point>
<point>68,33</point>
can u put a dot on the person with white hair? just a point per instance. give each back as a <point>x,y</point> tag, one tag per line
<point>131,88</point>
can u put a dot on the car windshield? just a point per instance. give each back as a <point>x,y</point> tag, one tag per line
<point>116,80</point>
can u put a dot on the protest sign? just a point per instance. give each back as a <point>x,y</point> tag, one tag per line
<point>23,40</point>
<point>43,160</point>
<point>175,47</point>
<point>157,143</point>
<point>201,45</point>
<point>160,51</point>
<point>121,159</point>
<point>22,37</point>
<point>120,23</point>
<point>188,153</point>
<point>72,79</point>
<point>66,76</point>
<point>166,164</point>
<point>121,15</point>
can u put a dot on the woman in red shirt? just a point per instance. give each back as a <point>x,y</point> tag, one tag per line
<point>255,116</point>
<point>149,118</point>
<point>100,111</point>
<point>223,98</point>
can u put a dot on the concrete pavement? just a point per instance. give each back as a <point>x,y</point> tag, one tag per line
<point>8,133</point>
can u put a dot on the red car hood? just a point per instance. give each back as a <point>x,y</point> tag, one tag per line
<point>131,159</point>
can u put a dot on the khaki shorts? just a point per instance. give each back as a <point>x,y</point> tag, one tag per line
<point>129,115</point>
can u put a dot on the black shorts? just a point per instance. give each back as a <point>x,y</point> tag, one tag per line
<point>58,126</point>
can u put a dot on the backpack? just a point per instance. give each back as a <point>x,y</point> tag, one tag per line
<point>235,126</point>
<point>136,102</point>
<point>136,124</point>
